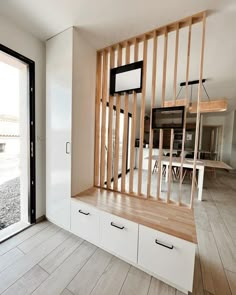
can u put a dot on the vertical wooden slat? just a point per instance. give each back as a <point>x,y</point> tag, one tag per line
<point>159,176</point>
<point>97,119</point>
<point>154,71</point>
<point>142,114</point>
<point>110,127</point>
<point>133,131</point>
<point>117,133</point>
<point>170,165</point>
<point>125,130</point>
<point>198,107</point>
<point>185,112</point>
<point>103,128</point>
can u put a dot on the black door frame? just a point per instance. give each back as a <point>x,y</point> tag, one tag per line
<point>31,91</point>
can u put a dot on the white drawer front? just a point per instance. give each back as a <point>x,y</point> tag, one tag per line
<point>120,236</point>
<point>85,221</point>
<point>174,265</point>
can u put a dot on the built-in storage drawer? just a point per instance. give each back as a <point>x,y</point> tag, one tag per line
<point>85,221</point>
<point>120,236</point>
<point>166,256</point>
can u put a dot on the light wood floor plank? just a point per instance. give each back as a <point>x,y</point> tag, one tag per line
<point>21,237</point>
<point>160,288</point>
<point>38,238</point>
<point>112,279</point>
<point>66,292</point>
<point>15,271</point>
<point>232,281</point>
<point>225,245</point>
<point>197,281</point>
<point>10,257</point>
<point>84,282</point>
<point>28,283</point>
<point>62,276</point>
<point>137,282</point>
<point>214,278</point>
<point>56,257</point>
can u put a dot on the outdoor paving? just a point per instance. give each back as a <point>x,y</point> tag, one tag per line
<point>10,202</point>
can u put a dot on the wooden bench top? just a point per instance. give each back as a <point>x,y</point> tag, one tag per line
<point>170,219</point>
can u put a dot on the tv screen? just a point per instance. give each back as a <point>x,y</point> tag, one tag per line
<point>168,118</point>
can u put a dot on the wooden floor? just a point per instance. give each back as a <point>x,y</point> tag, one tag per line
<point>45,259</point>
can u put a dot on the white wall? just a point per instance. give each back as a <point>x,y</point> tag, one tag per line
<point>83,114</point>
<point>26,44</point>
<point>233,152</point>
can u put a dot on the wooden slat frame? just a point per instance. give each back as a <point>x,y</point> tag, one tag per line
<point>154,74</point>
<point>133,131</point>
<point>185,112</point>
<point>103,128</point>
<point>97,118</point>
<point>159,176</point>
<point>125,130</point>
<point>170,166</point>
<point>198,108</point>
<point>196,18</point>
<point>110,127</point>
<point>117,133</point>
<point>142,114</point>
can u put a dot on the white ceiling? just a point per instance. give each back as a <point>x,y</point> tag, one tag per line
<point>105,22</point>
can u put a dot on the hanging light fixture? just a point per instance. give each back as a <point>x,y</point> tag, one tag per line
<point>210,106</point>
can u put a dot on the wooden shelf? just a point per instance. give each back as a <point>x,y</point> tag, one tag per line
<point>173,220</point>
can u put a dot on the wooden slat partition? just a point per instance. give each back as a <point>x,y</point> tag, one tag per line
<point>185,112</point>
<point>125,131</point>
<point>117,133</point>
<point>159,174</point>
<point>97,119</point>
<point>142,114</point>
<point>198,107</point>
<point>154,74</point>
<point>133,131</point>
<point>110,127</point>
<point>103,129</point>
<point>102,134</point>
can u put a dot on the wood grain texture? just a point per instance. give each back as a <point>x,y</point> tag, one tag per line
<point>170,165</point>
<point>198,107</point>
<point>55,258</point>
<point>97,119</point>
<point>160,288</point>
<point>15,271</point>
<point>62,276</point>
<point>154,75</point>
<point>133,131</point>
<point>137,282</point>
<point>173,220</point>
<point>117,132</point>
<point>232,281</point>
<point>142,114</point>
<point>87,278</point>
<point>103,124</point>
<point>112,279</point>
<point>125,127</point>
<point>9,258</point>
<point>110,128</point>
<point>28,283</point>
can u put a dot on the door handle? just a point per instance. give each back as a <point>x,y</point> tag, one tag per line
<point>164,244</point>
<point>67,147</point>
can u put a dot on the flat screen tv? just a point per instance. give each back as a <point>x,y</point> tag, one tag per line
<point>168,118</point>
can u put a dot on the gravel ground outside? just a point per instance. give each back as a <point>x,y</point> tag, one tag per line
<point>10,210</point>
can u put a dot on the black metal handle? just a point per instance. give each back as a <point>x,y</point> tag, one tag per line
<point>164,245</point>
<point>67,150</point>
<point>80,211</point>
<point>117,226</point>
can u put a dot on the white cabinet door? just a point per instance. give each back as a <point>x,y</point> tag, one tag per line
<point>85,221</point>
<point>120,236</point>
<point>58,126</point>
<point>166,256</point>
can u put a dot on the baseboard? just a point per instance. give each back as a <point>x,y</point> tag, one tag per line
<point>40,219</point>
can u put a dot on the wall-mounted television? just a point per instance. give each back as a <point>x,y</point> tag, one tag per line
<point>168,118</point>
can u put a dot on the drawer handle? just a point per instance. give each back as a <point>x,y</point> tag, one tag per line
<point>117,226</point>
<point>164,245</point>
<point>80,211</point>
